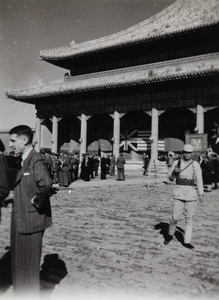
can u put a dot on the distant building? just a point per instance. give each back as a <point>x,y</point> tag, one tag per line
<point>136,88</point>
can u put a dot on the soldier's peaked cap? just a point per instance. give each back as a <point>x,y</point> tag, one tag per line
<point>188,148</point>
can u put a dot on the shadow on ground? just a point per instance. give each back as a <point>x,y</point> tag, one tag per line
<point>5,272</point>
<point>164,228</point>
<point>53,270</point>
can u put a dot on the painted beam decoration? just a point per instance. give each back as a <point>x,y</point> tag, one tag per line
<point>123,104</point>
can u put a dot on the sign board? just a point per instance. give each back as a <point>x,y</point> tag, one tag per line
<point>199,141</point>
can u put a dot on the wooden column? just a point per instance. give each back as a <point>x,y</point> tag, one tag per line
<point>200,122</point>
<point>200,118</point>
<point>38,135</point>
<point>54,134</point>
<point>116,132</point>
<point>154,113</point>
<point>83,136</point>
<point>154,134</point>
<point>199,111</point>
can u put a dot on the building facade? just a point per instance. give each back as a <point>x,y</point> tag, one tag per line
<point>135,89</point>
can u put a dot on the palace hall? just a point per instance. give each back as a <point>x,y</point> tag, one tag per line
<point>137,90</point>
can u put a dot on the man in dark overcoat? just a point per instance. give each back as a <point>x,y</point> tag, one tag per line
<point>91,166</point>
<point>103,167</point>
<point>31,213</point>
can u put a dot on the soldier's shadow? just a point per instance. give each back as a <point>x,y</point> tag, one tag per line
<point>53,270</point>
<point>164,228</point>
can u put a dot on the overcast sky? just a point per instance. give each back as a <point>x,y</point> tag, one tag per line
<point>29,26</point>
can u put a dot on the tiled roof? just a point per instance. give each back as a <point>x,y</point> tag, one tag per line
<point>195,66</point>
<point>181,16</point>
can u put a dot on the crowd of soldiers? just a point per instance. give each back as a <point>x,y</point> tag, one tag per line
<point>66,168</point>
<point>63,168</point>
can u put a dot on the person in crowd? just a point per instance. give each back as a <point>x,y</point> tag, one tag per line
<point>31,213</point>
<point>112,165</point>
<point>189,188</point>
<point>121,167</point>
<point>82,174</point>
<point>55,166</point>
<point>103,167</point>
<point>207,173</point>
<point>13,161</point>
<point>215,164</point>
<point>198,158</point>
<point>48,160</point>
<point>96,164</point>
<point>145,163</point>
<point>4,183</point>
<point>61,159</point>
<point>75,166</point>
<point>68,160</point>
<point>91,166</point>
<point>64,170</point>
<point>170,161</point>
<point>209,151</point>
<point>162,157</point>
<point>107,164</point>
<point>99,151</point>
<point>85,168</point>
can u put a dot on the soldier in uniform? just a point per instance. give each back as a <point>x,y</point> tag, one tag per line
<point>189,187</point>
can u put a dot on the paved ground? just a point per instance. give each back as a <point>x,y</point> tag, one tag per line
<point>106,242</point>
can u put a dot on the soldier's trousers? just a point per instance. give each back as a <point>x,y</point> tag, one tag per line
<point>179,207</point>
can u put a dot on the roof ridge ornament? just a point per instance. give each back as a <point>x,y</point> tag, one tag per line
<point>72,44</point>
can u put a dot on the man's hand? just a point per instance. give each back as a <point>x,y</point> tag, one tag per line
<point>177,170</point>
<point>201,198</point>
<point>53,191</point>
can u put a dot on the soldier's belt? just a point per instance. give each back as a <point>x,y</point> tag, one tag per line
<point>181,181</point>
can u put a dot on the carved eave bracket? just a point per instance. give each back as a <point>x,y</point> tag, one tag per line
<point>150,112</point>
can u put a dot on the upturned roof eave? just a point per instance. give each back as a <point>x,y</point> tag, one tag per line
<point>146,74</point>
<point>162,25</point>
<point>30,98</point>
<point>123,44</point>
<point>48,54</point>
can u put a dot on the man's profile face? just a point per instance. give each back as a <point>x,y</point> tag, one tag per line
<point>17,143</point>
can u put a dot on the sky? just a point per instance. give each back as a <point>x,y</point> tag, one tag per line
<point>29,26</point>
